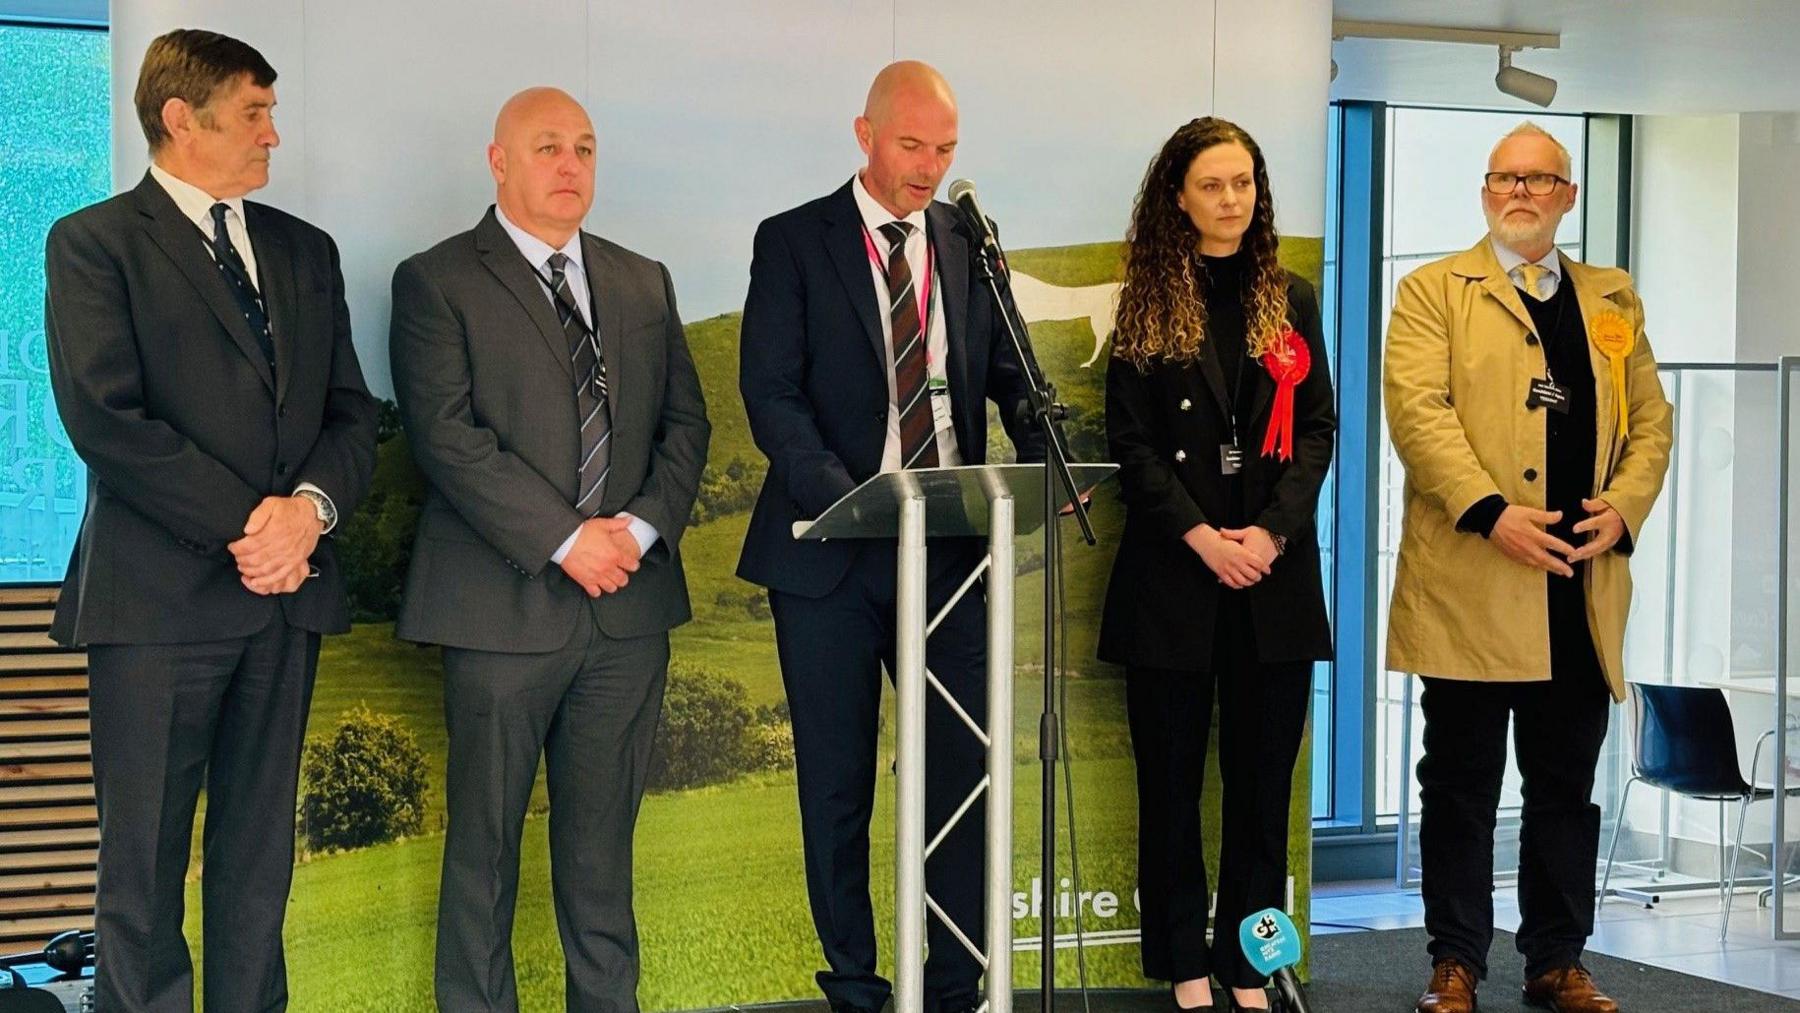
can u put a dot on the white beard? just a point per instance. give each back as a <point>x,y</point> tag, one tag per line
<point>1517,232</point>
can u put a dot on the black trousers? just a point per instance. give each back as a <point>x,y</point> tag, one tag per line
<point>166,718</point>
<point>832,651</point>
<point>1558,728</point>
<point>1262,717</point>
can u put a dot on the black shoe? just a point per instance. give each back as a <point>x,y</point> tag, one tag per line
<point>1275,1003</point>
<point>842,1006</point>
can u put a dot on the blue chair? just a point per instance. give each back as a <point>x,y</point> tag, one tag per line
<point>1684,743</point>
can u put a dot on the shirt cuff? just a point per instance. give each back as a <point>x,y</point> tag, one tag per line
<point>309,487</point>
<point>645,533</point>
<point>562,551</point>
<point>1481,518</point>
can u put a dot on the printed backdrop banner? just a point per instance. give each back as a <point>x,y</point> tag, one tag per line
<point>712,117</point>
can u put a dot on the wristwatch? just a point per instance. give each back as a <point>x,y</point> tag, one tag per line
<point>1280,543</point>
<point>322,505</point>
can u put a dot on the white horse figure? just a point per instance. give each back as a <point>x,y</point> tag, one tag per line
<point>1040,301</point>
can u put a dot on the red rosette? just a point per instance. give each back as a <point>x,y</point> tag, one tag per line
<point>1288,361</point>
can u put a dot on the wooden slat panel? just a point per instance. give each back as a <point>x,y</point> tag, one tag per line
<point>19,818</point>
<point>67,661</point>
<point>60,728</point>
<point>42,706</point>
<point>46,904</point>
<point>38,931</point>
<point>20,597</point>
<point>69,770</point>
<point>45,794</point>
<point>49,883</point>
<point>68,858</point>
<point>46,751</point>
<point>33,640</point>
<point>26,619</point>
<point>17,684</point>
<point>62,837</point>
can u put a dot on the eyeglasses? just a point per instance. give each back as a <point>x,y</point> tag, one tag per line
<point>1537,184</point>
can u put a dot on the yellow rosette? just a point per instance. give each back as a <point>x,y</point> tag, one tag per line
<point>1615,337</point>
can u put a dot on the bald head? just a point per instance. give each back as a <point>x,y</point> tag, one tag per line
<point>908,132</point>
<point>905,83</point>
<point>542,160</point>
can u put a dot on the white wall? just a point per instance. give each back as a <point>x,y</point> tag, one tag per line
<point>1684,229</point>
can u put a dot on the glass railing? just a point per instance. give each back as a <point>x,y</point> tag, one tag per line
<point>1705,610</point>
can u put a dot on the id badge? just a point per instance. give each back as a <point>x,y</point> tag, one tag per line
<point>939,392</point>
<point>1231,459</point>
<point>1547,393</point>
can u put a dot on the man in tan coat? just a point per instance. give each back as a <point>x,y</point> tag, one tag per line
<point>1524,404</point>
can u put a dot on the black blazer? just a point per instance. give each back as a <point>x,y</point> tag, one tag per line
<point>1164,428</point>
<point>813,373</point>
<point>486,391</point>
<point>170,404</point>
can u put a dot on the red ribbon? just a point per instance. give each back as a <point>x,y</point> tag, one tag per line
<point>1288,360</point>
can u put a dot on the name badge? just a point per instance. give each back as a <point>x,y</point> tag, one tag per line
<point>1231,459</point>
<point>1547,393</point>
<point>939,391</point>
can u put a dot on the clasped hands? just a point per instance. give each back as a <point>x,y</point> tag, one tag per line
<point>279,538</point>
<point>604,555</point>
<point>1520,534</point>
<point>1239,557</point>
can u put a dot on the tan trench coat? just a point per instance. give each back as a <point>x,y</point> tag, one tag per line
<point>1455,378</point>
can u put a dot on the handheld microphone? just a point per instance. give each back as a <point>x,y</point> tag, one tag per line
<point>962,194</point>
<point>1271,944</point>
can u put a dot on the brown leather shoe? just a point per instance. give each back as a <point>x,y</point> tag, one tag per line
<point>1569,990</point>
<point>1452,989</point>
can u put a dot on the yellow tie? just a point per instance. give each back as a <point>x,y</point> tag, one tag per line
<point>1531,274</point>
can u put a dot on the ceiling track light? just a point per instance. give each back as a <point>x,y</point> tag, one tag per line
<point>1520,84</point>
<point>1523,84</point>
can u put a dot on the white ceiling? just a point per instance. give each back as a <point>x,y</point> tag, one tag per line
<point>1627,56</point>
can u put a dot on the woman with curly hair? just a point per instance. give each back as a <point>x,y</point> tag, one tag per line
<point>1219,413</point>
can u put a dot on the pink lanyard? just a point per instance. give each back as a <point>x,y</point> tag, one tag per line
<point>924,288</point>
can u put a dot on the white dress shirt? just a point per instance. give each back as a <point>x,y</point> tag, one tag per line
<point>937,340</point>
<point>1510,262</point>
<point>537,253</point>
<point>196,205</point>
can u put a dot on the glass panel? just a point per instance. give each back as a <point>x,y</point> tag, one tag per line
<point>55,143</point>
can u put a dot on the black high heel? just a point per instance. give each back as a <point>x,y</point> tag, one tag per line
<point>1276,1003</point>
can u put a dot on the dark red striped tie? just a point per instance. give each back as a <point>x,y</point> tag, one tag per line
<point>918,436</point>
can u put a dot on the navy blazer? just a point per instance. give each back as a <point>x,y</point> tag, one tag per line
<point>813,373</point>
<point>168,399</point>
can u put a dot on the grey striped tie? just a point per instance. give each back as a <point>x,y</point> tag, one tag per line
<point>592,405</point>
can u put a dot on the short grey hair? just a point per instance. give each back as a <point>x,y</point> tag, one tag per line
<point>1530,129</point>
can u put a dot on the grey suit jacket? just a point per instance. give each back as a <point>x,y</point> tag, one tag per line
<point>486,390</point>
<point>182,426</point>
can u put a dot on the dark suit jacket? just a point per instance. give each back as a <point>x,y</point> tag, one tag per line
<point>813,373</point>
<point>487,395</point>
<point>169,402</point>
<point>1161,601</point>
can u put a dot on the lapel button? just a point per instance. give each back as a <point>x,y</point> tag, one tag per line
<point>1187,405</point>
<point>1180,456</point>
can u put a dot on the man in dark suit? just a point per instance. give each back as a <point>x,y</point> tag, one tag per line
<point>545,382</point>
<point>200,352</point>
<point>865,348</point>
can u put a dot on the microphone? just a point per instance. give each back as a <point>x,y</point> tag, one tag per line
<point>1271,944</point>
<point>962,194</point>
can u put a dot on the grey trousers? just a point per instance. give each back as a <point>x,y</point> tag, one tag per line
<point>165,718</point>
<point>591,709</point>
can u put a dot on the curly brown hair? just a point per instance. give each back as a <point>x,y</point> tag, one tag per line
<point>1161,315</point>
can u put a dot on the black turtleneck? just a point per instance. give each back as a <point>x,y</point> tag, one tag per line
<point>1222,288</point>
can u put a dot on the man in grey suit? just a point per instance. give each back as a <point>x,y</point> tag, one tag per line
<point>200,351</point>
<point>545,383</point>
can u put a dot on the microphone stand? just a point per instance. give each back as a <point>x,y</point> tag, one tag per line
<point>1048,415</point>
